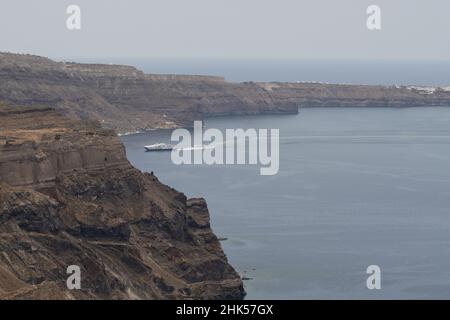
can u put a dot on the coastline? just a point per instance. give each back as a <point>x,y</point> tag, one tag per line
<point>127,100</point>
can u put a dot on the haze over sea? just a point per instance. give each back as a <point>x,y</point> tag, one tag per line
<point>383,72</point>
<point>356,187</point>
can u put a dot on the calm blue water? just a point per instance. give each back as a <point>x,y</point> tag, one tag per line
<point>356,187</point>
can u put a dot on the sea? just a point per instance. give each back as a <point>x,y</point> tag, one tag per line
<point>356,187</point>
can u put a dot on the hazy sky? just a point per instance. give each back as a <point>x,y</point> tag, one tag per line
<point>278,29</point>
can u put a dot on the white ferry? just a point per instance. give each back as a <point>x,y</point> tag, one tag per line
<point>159,147</point>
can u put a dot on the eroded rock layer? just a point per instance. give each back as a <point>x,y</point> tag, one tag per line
<point>125,99</point>
<point>69,196</point>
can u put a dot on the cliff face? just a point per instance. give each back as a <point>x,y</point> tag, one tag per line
<point>341,95</point>
<point>125,99</point>
<point>68,196</point>
<point>108,92</point>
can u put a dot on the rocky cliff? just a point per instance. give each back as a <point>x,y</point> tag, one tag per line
<point>344,95</point>
<point>108,92</point>
<point>69,196</point>
<point>125,99</point>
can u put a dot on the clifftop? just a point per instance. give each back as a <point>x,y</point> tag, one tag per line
<point>102,70</point>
